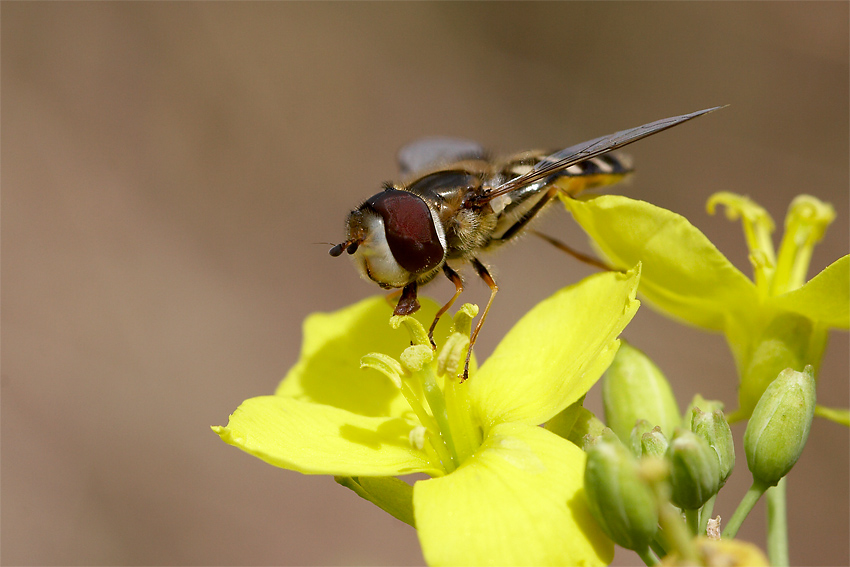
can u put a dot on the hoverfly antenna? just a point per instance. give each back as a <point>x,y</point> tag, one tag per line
<point>349,246</point>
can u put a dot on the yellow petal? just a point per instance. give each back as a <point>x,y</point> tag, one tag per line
<point>518,501</point>
<point>316,439</point>
<point>556,352</point>
<point>328,370</point>
<point>824,299</point>
<point>682,274</point>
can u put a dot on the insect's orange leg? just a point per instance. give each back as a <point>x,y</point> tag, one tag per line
<point>455,279</point>
<point>491,283</point>
<point>575,253</point>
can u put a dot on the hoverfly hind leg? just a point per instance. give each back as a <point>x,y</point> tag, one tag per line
<point>455,279</point>
<point>491,283</point>
<point>584,258</point>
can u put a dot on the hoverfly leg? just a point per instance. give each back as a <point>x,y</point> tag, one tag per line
<point>491,283</point>
<point>590,260</point>
<point>393,296</point>
<point>407,304</point>
<point>455,279</point>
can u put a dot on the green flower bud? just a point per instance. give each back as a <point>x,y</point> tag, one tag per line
<point>634,388</point>
<point>707,406</point>
<point>694,470</point>
<point>642,426</point>
<point>653,443</point>
<point>779,426</point>
<point>622,503</point>
<point>789,341</point>
<point>716,431</point>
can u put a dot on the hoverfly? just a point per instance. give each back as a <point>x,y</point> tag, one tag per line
<point>455,203</point>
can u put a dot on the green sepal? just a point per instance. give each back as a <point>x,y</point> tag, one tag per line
<point>634,388</point>
<point>706,406</point>
<point>390,494</point>
<point>654,443</point>
<point>789,341</point>
<point>641,427</point>
<point>586,426</point>
<point>562,424</point>
<point>619,499</point>
<point>716,431</point>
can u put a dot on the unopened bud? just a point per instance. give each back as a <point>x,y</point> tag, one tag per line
<point>789,341</point>
<point>707,406</point>
<point>653,443</point>
<point>634,388</point>
<point>779,426</point>
<point>620,501</point>
<point>642,426</point>
<point>716,431</point>
<point>694,470</point>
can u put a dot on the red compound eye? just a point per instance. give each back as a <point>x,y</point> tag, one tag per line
<point>410,230</point>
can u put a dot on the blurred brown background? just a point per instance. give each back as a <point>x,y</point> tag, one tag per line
<point>171,170</point>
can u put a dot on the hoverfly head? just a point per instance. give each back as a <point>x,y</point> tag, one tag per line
<point>394,237</point>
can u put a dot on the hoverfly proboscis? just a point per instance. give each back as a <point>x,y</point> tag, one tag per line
<point>455,203</point>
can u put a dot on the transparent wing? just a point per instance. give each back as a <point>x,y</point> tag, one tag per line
<point>576,154</point>
<point>427,153</point>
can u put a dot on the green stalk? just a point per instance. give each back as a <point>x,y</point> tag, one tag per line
<point>677,534</point>
<point>657,548</point>
<point>647,557</point>
<point>777,525</point>
<point>750,498</point>
<point>705,514</point>
<point>692,518</point>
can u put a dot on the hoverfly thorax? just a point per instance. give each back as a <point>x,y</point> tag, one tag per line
<point>395,238</point>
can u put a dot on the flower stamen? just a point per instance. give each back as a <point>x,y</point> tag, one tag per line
<point>758,227</point>
<point>805,225</point>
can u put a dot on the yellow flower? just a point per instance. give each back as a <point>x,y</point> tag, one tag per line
<point>775,321</point>
<point>502,490</point>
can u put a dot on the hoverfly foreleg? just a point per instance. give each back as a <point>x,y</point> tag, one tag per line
<point>393,296</point>
<point>455,278</point>
<point>491,283</point>
<point>575,253</point>
<point>407,304</point>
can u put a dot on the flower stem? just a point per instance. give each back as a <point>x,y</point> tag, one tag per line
<point>692,518</point>
<point>657,547</point>
<point>777,525</point>
<point>705,514</point>
<point>750,498</point>
<point>680,539</point>
<point>647,556</point>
